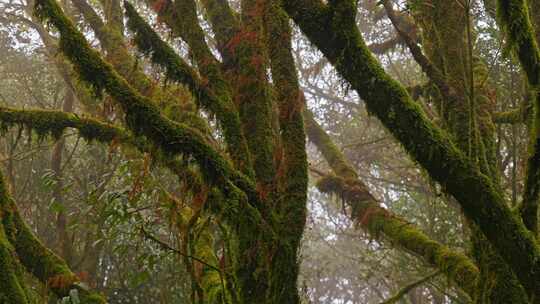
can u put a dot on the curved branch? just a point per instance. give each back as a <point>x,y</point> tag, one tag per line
<point>38,260</point>
<point>377,221</point>
<point>405,290</point>
<point>142,116</point>
<point>178,70</point>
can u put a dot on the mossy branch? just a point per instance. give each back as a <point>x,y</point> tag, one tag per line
<point>405,290</point>
<point>178,70</point>
<point>38,260</point>
<point>111,38</point>
<point>514,116</point>
<point>12,289</point>
<point>232,210</point>
<point>224,23</point>
<point>333,156</point>
<point>380,223</point>
<point>112,41</point>
<point>142,116</point>
<point>45,122</point>
<point>292,175</point>
<point>53,123</point>
<point>340,41</point>
<point>515,20</point>
<point>293,172</point>
<point>431,71</point>
<point>253,95</point>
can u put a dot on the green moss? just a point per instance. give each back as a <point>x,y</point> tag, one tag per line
<point>142,116</point>
<point>510,117</point>
<point>54,123</point>
<point>12,290</point>
<point>111,39</point>
<point>38,260</point>
<point>292,177</point>
<point>179,71</point>
<point>326,146</point>
<point>515,19</point>
<point>225,25</point>
<point>497,283</point>
<point>482,202</point>
<point>381,224</point>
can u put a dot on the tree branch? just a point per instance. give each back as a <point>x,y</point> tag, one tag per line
<point>377,221</point>
<point>38,260</point>
<point>292,174</point>
<point>177,70</point>
<point>142,116</point>
<point>431,71</point>
<point>405,290</point>
<point>515,20</point>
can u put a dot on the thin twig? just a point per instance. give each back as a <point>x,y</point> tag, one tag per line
<point>168,247</point>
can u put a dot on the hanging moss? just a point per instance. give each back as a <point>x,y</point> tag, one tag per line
<point>54,123</point>
<point>150,44</point>
<point>340,41</point>
<point>111,39</point>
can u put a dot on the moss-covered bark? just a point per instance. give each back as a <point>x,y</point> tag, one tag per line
<point>467,116</point>
<point>225,25</point>
<point>252,93</point>
<point>111,38</point>
<point>178,70</point>
<point>515,20</point>
<point>381,223</point>
<point>112,41</point>
<point>433,72</point>
<point>142,116</point>
<point>292,178</point>
<point>12,289</point>
<point>38,260</point>
<point>207,272</point>
<point>334,32</point>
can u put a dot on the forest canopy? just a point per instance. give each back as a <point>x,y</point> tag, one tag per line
<point>269,151</point>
